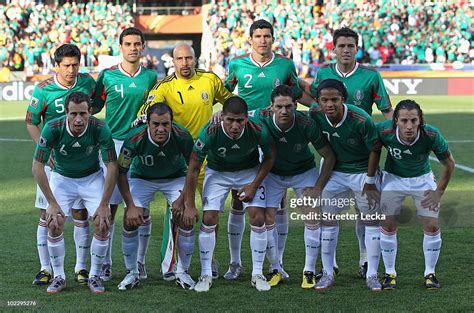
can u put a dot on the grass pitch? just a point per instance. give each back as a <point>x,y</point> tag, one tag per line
<point>19,262</point>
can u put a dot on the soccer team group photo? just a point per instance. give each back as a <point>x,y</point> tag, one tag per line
<point>270,153</point>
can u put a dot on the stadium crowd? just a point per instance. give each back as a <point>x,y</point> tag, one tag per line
<point>428,32</point>
<point>439,32</point>
<point>29,33</point>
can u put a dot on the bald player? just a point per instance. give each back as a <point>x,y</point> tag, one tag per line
<point>191,94</point>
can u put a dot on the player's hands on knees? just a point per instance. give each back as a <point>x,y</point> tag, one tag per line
<point>189,216</point>
<point>54,215</point>
<point>372,193</point>
<point>247,192</point>
<point>140,120</point>
<point>177,207</point>
<point>312,192</point>
<point>133,216</point>
<point>216,118</point>
<point>432,199</point>
<point>102,217</point>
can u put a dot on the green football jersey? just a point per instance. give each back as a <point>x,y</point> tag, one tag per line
<point>49,97</point>
<point>75,156</point>
<point>122,94</point>
<point>352,139</point>
<point>411,160</point>
<point>293,154</point>
<point>364,86</point>
<point>225,154</point>
<point>255,83</point>
<point>148,160</point>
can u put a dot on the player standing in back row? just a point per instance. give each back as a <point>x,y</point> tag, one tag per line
<point>364,88</point>
<point>255,75</point>
<point>122,89</point>
<point>47,103</point>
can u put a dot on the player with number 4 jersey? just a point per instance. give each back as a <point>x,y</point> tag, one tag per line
<point>122,89</point>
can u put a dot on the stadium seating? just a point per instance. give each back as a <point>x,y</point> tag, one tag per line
<point>29,34</point>
<point>390,33</point>
<point>422,32</point>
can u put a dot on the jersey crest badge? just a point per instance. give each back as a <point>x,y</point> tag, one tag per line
<point>358,96</point>
<point>204,96</point>
<point>351,142</point>
<point>277,82</point>
<point>298,147</point>
<point>89,150</point>
<point>150,97</point>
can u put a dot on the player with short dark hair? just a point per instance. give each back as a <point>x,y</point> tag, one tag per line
<point>157,154</point>
<point>75,140</point>
<point>364,88</point>
<point>407,172</point>
<point>294,167</point>
<point>47,103</point>
<point>231,148</point>
<point>122,89</point>
<point>255,75</point>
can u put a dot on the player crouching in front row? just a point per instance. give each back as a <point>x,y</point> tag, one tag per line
<point>352,135</point>
<point>232,154</point>
<point>75,140</point>
<point>157,153</point>
<point>407,172</point>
